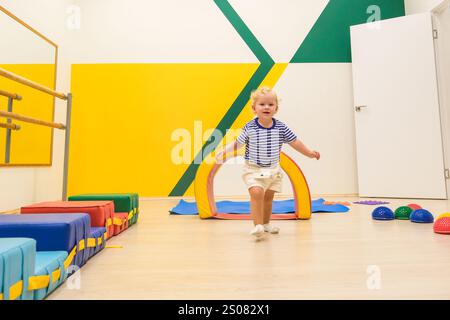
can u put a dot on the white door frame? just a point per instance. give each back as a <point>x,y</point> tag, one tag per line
<point>443,81</point>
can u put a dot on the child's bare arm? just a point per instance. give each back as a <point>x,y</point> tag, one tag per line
<point>228,148</point>
<point>300,147</point>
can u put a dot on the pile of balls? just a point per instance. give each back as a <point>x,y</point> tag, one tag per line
<point>414,213</point>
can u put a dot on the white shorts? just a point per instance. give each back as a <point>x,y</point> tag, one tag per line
<point>267,178</point>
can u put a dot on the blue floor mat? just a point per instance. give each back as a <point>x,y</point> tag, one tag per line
<point>243,207</point>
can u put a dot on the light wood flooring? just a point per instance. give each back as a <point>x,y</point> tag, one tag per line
<point>331,256</point>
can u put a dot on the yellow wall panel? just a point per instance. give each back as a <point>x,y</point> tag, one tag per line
<point>32,144</point>
<point>124,116</point>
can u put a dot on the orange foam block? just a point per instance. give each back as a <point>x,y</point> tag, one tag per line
<point>120,222</point>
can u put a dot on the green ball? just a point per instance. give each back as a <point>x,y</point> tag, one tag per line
<point>403,213</point>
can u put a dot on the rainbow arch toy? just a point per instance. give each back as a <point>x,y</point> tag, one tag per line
<point>204,190</point>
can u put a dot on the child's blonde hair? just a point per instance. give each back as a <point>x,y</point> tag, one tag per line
<point>263,90</point>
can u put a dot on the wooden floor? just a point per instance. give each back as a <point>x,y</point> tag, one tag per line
<point>331,256</point>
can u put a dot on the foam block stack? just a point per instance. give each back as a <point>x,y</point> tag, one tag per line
<point>43,245</point>
<point>49,264</point>
<point>96,241</point>
<point>63,243</point>
<point>124,203</point>
<point>101,212</point>
<point>52,232</point>
<point>17,261</point>
<point>26,274</point>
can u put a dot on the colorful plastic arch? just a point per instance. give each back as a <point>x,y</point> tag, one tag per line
<point>204,193</point>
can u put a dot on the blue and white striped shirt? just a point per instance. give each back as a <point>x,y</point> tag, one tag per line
<point>263,145</point>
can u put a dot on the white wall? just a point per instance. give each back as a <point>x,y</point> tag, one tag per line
<point>23,185</point>
<point>317,102</point>
<point>316,99</point>
<point>157,31</point>
<point>23,45</point>
<point>418,6</point>
<point>113,32</point>
<point>280,26</point>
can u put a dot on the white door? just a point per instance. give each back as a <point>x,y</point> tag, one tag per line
<point>397,119</point>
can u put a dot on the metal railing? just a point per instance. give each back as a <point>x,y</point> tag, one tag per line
<point>9,115</point>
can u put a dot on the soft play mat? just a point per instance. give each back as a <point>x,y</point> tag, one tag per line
<point>243,207</point>
<point>17,260</point>
<point>26,274</point>
<point>52,232</point>
<point>51,264</point>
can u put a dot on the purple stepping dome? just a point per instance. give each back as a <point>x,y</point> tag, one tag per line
<point>371,202</point>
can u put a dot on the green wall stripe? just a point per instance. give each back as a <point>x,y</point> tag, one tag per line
<point>224,124</point>
<point>329,38</point>
<point>244,31</point>
<point>242,99</point>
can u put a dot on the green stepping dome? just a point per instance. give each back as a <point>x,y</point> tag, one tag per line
<point>123,202</point>
<point>403,213</point>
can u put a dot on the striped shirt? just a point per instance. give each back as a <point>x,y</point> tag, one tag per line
<point>263,145</point>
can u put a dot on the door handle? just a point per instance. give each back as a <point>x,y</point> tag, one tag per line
<point>358,108</point>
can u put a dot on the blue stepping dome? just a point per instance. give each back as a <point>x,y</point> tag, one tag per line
<point>383,213</point>
<point>422,216</point>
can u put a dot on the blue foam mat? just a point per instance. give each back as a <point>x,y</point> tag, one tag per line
<point>243,207</point>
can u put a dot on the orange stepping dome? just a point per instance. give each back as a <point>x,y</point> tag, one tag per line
<point>442,224</point>
<point>444,215</point>
<point>414,206</point>
<point>101,212</point>
<point>204,193</point>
